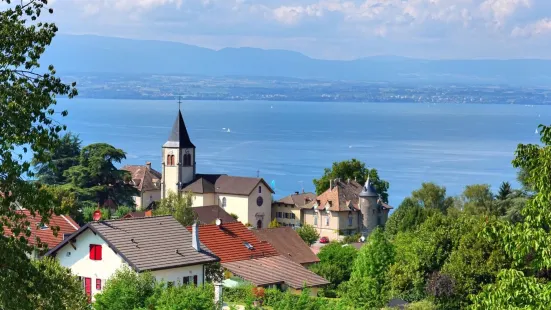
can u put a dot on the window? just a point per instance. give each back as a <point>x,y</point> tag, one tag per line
<point>95,252</point>
<point>260,189</point>
<point>349,218</point>
<point>327,220</point>
<point>223,202</point>
<point>186,280</point>
<point>43,227</point>
<point>187,159</point>
<point>315,219</point>
<point>98,284</point>
<point>292,216</point>
<point>286,215</point>
<point>279,215</point>
<point>195,280</point>
<point>170,160</point>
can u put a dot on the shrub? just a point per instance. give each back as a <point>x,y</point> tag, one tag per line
<point>185,297</point>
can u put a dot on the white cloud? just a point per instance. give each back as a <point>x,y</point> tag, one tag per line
<point>540,27</point>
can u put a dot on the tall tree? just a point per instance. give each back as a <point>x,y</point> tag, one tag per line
<point>504,191</point>
<point>27,104</point>
<point>179,206</point>
<point>368,286</point>
<point>352,169</point>
<point>408,217</point>
<point>96,179</point>
<point>478,199</point>
<point>526,284</point>
<point>432,196</point>
<point>335,265</point>
<point>65,156</point>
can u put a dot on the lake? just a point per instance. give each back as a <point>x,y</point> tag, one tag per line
<point>292,142</point>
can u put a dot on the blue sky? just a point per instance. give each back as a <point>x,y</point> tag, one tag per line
<point>329,29</point>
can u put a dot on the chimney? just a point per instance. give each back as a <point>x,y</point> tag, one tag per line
<point>195,237</point>
<point>330,184</point>
<point>296,193</point>
<point>148,165</point>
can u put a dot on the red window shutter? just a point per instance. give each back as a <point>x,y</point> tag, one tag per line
<point>92,251</point>
<point>98,284</point>
<point>98,252</point>
<point>195,280</point>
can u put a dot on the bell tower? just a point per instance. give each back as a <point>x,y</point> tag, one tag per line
<point>178,164</point>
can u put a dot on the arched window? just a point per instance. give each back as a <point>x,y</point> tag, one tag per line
<point>259,224</point>
<point>224,202</point>
<point>260,189</point>
<point>170,160</point>
<point>187,160</point>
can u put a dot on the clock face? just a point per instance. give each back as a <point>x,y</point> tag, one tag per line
<point>259,201</point>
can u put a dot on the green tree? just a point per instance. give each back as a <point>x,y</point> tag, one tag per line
<point>526,284</point>
<point>308,233</point>
<point>65,156</point>
<point>62,289</point>
<point>27,105</point>
<point>96,179</point>
<point>408,217</point>
<point>274,224</point>
<point>423,252</point>
<point>504,191</point>
<point>352,169</point>
<point>335,265</point>
<point>179,206</point>
<point>472,265</point>
<point>432,196</point>
<point>478,199</point>
<point>368,286</point>
<point>126,289</point>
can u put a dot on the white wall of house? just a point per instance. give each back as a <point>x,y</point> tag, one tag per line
<point>81,265</point>
<point>197,200</point>
<point>177,275</point>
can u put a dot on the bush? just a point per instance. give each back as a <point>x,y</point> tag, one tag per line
<point>352,238</point>
<point>421,305</point>
<point>238,294</point>
<point>126,290</point>
<point>122,211</point>
<point>185,297</point>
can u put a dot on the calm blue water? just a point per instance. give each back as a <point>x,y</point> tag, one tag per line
<point>291,142</point>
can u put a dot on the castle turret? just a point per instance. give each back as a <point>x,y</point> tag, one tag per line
<point>178,158</point>
<point>368,207</point>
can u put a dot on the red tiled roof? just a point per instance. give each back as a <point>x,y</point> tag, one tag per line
<point>65,223</point>
<point>228,242</point>
<point>341,197</point>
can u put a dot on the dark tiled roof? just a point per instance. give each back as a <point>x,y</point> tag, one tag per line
<point>274,270</point>
<point>144,178</point>
<point>288,243</point>
<point>228,242</point>
<point>224,184</point>
<point>298,200</point>
<point>368,190</point>
<point>149,243</point>
<point>209,214</point>
<point>178,135</point>
<point>46,235</point>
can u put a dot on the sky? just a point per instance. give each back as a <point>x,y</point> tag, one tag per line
<point>327,29</point>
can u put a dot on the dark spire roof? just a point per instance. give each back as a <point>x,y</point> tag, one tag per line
<point>178,135</point>
<point>369,190</point>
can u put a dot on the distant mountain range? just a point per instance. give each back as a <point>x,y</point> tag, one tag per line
<point>95,54</point>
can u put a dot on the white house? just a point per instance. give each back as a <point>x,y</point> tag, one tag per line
<point>248,197</point>
<point>160,245</point>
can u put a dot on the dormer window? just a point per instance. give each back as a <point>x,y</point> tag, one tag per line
<point>43,226</point>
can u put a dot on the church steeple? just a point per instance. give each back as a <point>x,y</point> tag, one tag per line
<point>179,136</point>
<point>178,158</point>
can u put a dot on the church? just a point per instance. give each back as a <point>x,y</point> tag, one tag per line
<point>248,198</point>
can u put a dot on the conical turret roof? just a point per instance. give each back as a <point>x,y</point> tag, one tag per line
<point>178,135</point>
<point>368,190</point>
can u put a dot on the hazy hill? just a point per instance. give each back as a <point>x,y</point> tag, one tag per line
<point>95,54</point>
